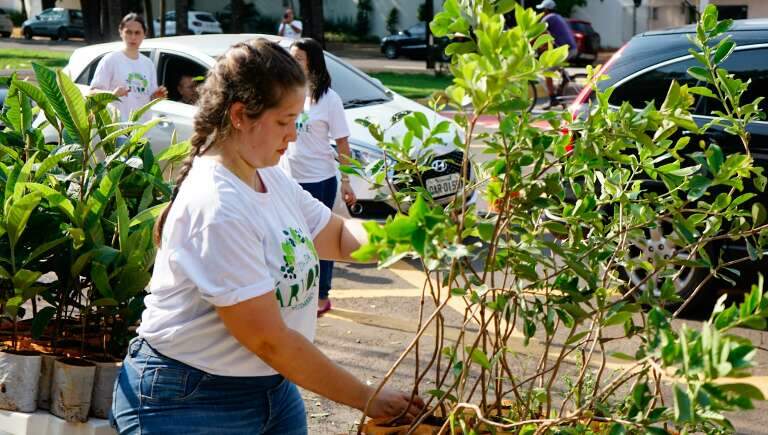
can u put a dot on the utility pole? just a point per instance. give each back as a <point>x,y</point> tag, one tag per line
<point>429,12</point>
<point>634,16</point>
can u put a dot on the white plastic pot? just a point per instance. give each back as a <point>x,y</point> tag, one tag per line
<point>46,376</point>
<point>19,377</point>
<point>103,386</point>
<point>71,389</point>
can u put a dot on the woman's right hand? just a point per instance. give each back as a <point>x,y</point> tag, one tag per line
<point>391,403</point>
<point>121,91</point>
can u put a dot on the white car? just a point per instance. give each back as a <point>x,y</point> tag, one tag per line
<point>363,97</point>
<point>198,22</point>
<point>6,25</point>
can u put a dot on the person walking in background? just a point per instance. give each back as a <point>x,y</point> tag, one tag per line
<point>563,35</point>
<point>128,74</point>
<point>310,160</point>
<point>290,27</point>
<point>230,317</point>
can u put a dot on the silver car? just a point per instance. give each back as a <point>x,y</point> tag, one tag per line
<point>6,25</point>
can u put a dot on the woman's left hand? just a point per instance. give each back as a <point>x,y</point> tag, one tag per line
<point>161,92</point>
<point>347,194</point>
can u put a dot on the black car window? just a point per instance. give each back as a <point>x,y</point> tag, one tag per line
<point>418,29</point>
<point>745,65</point>
<point>205,17</point>
<point>578,27</point>
<point>352,87</point>
<point>87,75</point>
<point>653,85</point>
<point>173,67</point>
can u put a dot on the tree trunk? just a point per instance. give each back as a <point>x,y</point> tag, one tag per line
<point>24,9</point>
<point>114,15</point>
<point>92,21</point>
<point>162,17</point>
<point>312,19</point>
<point>148,16</point>
<point>237,16</point>
<point>429,13</point>
<point>182,22</point>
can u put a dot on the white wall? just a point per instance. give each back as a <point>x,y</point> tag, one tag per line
<point>408,12</point>
<point>612,19</point>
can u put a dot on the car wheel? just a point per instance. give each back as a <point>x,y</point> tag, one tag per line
<point>6,34</point>
<point>443,56</point>
<point>62,33</point>
<point>390,51</point>
<point>657,245</point>
<point>28,33</point>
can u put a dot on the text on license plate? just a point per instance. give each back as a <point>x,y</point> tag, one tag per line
<point>444,185</point>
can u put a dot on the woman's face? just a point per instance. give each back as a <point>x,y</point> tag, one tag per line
<point>132,34</point>
<point>301,57</point>
<point>264,139</point>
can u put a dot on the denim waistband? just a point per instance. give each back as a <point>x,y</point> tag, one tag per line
<point>140,346</point>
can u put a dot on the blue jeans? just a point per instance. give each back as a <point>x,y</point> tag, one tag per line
<point>155,394</point>
<point>325,192</point>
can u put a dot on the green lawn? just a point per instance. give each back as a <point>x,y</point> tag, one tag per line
<point>414,86</point>
<point>22,59</point>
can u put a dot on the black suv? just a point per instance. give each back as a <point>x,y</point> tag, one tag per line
<point>412,42</point>
<point>643,70</point>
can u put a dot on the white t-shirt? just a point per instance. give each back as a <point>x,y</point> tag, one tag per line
<point>138,75</point>
<point>311,159</point>
<point>289,32</point>
<point>224,243</point>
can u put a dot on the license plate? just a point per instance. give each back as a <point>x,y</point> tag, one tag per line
<point>444,185</point>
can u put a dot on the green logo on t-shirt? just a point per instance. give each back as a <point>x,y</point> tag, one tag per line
<point>302,123</point>
<point>137,82</point>
<point>299,271</point>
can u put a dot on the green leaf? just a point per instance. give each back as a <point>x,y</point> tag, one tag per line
<point>683,406</point>
<point>75,105</point>
<point>101,279</point>
<point>42,249</point>
<point>39,97</point>
<point>576,337</point>
<point>618,318</point>
<point>703,91</point>
<point>714,158</point>
<point>46,78</point>
<point>122,221</point>
<point>18,215</point>
<point>25,278</point>
<point>97,201</point>
<point>617,429</point>
<point>480,358</point>
<point>138,113</point>
<point>724,50</point>
<point>698,187</point>
<point>401,228</point>
<point>49,163</point>
<point>148,215</point>
<point>41,321</point>
<point>700,73</point>
<point>419,208</point>
<point>758,214</point>
<point>174,152</point>
<point>105,302</point>
<point>744,390</point>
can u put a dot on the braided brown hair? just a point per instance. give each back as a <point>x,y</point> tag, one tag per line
<point>256,73</point>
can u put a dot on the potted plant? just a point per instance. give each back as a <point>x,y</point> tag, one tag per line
<point>546,273</point>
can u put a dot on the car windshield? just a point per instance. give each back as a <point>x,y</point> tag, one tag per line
<point>208,18</point>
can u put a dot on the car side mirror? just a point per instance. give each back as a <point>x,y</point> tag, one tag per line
<point>37,17</point>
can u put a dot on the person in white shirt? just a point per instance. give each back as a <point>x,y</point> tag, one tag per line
<point>128,74</point>
<point>289,27</point>
<point>310,160</point>
<point>230,316</point>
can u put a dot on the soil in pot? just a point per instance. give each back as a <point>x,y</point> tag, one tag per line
<point>107,370</point>
<point>19,377</point>
<point>71,388</point>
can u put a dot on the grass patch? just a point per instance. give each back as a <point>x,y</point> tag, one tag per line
<point>414,86</point>
<point>22,59</point>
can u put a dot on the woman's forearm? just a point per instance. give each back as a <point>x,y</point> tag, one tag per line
<point>291,354</point>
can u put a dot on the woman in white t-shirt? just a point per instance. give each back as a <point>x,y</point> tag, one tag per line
<point>128,74</point>
<point>230,316</point>
<point>310,160</point>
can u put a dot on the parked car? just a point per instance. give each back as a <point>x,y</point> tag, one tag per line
<point>198,22</point>
<point>642,71</point>
<point>412,42</point>
<point>58,23</point>
<point>362,96</point>
<point>6,25</point>
<point>587,41</point>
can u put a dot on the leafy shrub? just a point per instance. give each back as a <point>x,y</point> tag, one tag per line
<point>393,21</point>
<point>542,281</point>
<point>77,212</point>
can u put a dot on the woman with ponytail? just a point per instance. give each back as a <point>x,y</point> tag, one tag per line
<point>230,316</point>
